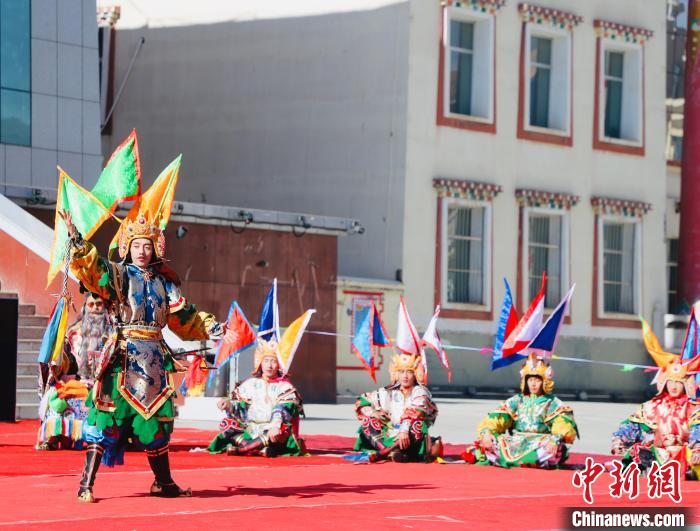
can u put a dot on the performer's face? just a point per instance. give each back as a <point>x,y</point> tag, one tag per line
<point>534,385</point>
<point>675,389</point>
<point>141,251</point>
<point>95,306</point>
<point>270,367</point>
<point>407,379</point>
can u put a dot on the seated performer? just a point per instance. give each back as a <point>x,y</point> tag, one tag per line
<point>395,419</point>
<point>667,427</point>
<point>262,415</point>
<point>62,408</point>
<point>530,429</point>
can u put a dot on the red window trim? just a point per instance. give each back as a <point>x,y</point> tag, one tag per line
<point>466,122</point>
<point>600,144</point>
<point>452,313</point>
<point>540,136</point>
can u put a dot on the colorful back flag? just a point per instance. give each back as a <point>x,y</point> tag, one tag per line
<point>156,202</point>
<point>407,339</point>
<point>51,349</point>
<point>545,341</point>
<point>269,325</point>
<point>431,339</point>
<point>528,326</point>
<point>239,336</point>
<point>120,181</point>
<point>660,357</point>
<point>290,340</point>
<point>195,380</point>
<point>507,321</point>
<point>370,333</point>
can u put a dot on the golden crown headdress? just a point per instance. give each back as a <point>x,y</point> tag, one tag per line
<point>407,362</point>
<point>263,350</point>
<point>141,228</point>
<point>535,366</point>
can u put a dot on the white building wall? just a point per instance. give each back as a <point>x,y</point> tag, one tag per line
<point>65,101</point>
<point>501,158</point>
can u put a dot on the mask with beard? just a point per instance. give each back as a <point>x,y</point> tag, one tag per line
<point>94,328</point>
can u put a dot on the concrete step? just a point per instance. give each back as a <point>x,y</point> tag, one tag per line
<point>31,332</point>
<point>28,357</point>
<point>5,295</point>
<point>26,411</point>
<point>27,382</point>
<point>27,309</point>
<point>33,320</point>
<point>28,396</point>
<point>26,368</point>
<point>28,345</point>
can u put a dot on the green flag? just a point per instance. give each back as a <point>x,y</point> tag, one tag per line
<point>119,181</point>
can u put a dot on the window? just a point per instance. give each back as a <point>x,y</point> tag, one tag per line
<point>15,72</point>
<point>465,254</point>
<point>547,83</point>
<point>461,63</point>
<point>613,93</point>
<point>676,148</point>
<point>620,267</point>
<point>621,93</point>
<point>545,251</point>
<point>672,272</point>
<point>468,78</point>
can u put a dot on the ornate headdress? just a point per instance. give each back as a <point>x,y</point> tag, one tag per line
<point>264,349</point>
<point>671,366</point>
<point>407,362</point>
<point>140,228</point>
<point>535,366</point>
<point>150,214</point>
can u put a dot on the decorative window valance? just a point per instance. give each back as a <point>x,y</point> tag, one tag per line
<point>548,16</point>
<point>621,32</point>
<point>482,6</point>
<point>539,198</point>
<point>466,189</point>
<point>620,207</point>
<point>108,15</point>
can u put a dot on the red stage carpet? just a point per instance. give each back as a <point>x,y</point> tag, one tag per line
<point>322,491</point>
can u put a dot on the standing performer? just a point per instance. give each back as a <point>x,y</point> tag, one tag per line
<point>62,407</point>
<point>530,429</point>
<point>395,419</point>
<point>262,415</point>
<point>132,395</point>
<point>667,427</point>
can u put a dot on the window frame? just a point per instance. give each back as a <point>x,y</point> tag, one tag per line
<point>28,91</point>
<point>638,273</point>
<point>446,203</point>
<point>467,121</point>
<point>564,250</point>
<point>538,30</point>
<point>624,145</point>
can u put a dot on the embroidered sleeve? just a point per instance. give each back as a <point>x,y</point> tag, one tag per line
<point>92,270</point>
<point>420,407</point>
<point>500,420</point>
<point>190,324</point>
<point>560,419</point>
<point>367,404</point>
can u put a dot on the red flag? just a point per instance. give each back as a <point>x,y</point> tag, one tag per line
<point>239,336</point>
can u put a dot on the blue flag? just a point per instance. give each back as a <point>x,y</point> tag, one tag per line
<point>269,324</point>
<point>507,321</point>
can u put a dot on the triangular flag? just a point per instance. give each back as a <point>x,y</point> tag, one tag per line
<point>48,343</point>
<point>660,357</point>
<point>545,341</point>
<point>239,336</point>
<point>529,324</point>
<point>156,202</point>
<point>290,340</point>
<point>507,321</point>
<point>407,339</point>
<point>369,334</point>
<point>431,339</point>
<point>269,324</point>
<point>119,181</point>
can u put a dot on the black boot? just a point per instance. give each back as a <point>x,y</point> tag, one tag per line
<point>257,444</point>
<point>164,486</point>
<point>93,458</point>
